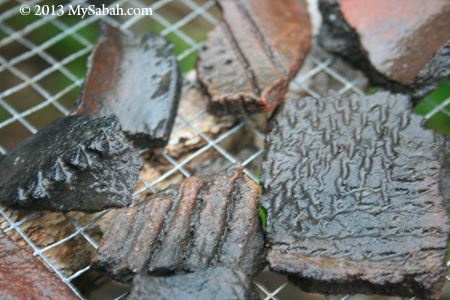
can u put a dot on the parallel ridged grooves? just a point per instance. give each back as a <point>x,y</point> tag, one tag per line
<point>248,70</point>
<point>178,238</point>
<point>253,53</point>
<point>217,197</point>
<point>201,222</point>
<point>262,39</point>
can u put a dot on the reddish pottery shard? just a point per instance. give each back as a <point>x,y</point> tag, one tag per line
<point>137,79</point>
<point>253,53</point>
<point>404,44</point>
<point>353,200</point>
<point>23,276</point>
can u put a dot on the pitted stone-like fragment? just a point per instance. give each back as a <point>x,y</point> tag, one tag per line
<point>137,79</point>
<point>253,53</point>
<point>23,276</point>
<point>204,221</point>
<point>73,163</point>
<point>403,45</point>
<point>352,197</point>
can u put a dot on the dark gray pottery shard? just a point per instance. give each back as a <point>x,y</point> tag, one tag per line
<point>445,175</point>
<point>72,164</point>
<point>352,197</point>
<point>201,222</point>
<point>137,79</point>
<point>212,283</point>
<point>403,45</point>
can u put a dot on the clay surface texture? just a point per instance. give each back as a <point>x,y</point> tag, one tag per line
<point>253,53</point>
<point>137,79</point>
<point>189,226</point>
<point>353,199</point>
<point>184,140</point>
<point>74,163</point>
<point>23,276</point>
<point>211,283</point>
<point>445,175</point>
<point>404,45</point>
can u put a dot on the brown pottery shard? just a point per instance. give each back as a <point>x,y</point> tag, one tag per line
<point>23,276</point>
<point>204,221</point>
<point>253,53</point>
<point>403,45</point>
<point>137,79</point>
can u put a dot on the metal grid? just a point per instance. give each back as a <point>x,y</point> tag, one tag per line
<point>318,65</point>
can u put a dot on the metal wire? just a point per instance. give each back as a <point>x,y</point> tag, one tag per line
<point>320,64</point>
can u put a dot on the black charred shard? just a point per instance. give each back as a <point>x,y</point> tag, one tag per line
<point>352,197</point>
<point>211,283</point>
<point>72,164</point>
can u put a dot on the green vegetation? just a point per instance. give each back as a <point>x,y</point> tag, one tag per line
<point>440,122</point>
<point>263,217</point>
<point>261,211</point>
<point>372,90</point>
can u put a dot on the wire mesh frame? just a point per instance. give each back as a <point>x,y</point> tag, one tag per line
<point>320,65</point>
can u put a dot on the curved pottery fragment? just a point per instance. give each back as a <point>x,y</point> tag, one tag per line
<point>202,222</point>
<point>253,53</point>
<point>137,79</point>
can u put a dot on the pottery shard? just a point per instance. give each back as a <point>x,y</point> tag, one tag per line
<point>253,53</point>
<point>187,138</point>
<point>23,276</point>
<point>211,283</point>
<point>189,226</point>
<point>352,197</point>
<point>404,45</point>
<point>72,164</point>
<point>137,79</point>
<point>445,175</point>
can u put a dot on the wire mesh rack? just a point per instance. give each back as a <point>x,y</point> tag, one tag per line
<point>42,64</point>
